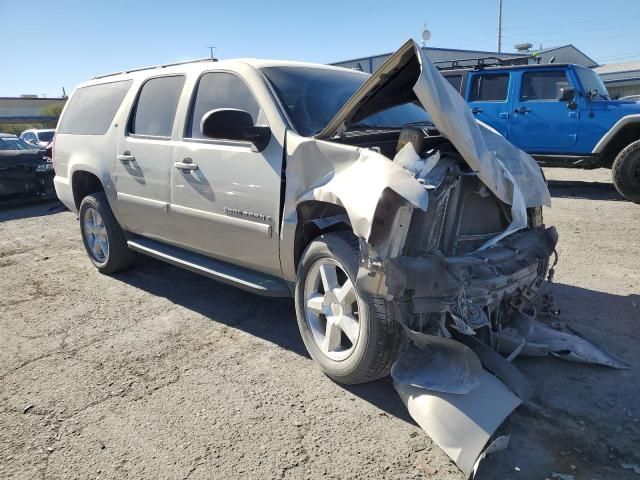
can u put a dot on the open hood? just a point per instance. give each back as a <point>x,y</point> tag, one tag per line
<point>409,76</point>
<point>391,85</point>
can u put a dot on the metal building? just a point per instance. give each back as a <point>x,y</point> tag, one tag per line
<point>562,54</point>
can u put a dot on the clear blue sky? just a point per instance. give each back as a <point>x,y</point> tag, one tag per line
<point>47,45</point>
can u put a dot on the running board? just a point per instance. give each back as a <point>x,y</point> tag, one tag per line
<point>255,282</point>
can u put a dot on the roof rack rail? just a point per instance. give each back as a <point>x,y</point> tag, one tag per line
<point>164,65</point>
<point>480,63</point>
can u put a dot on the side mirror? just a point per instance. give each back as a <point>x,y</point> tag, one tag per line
<point>234,124</point>
<point>566,94</point>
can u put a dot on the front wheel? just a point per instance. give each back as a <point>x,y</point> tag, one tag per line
<point>351,335</point>
<point>626,172</point>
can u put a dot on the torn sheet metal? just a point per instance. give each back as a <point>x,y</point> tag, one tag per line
<point>460,424</point>
<point>437,363</point>
<point>567,345</point>
<point>541,340</point>
<point>353,178</point>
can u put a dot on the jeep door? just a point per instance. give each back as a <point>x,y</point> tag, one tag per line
<point>540,122</point>
<point>144,158</point>
<point>488,98</point>
<point>225,195</point>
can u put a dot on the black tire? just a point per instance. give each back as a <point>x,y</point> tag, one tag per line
<point>119,256</point>
<point>381,336</point>
<point>626,172</point>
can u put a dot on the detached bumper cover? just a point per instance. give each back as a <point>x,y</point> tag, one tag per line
<point>435,281</point>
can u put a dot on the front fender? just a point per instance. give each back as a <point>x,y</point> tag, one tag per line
<point>353,178</point>
<point>619,125</point>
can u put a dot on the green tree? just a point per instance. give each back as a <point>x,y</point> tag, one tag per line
<point>52,110</point>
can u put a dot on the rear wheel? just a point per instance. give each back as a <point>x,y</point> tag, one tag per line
<point>626,172</point>
<point>102,236</point>
<point>351,335</point>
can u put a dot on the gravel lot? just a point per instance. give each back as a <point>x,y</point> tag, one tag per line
<point>160,373</point>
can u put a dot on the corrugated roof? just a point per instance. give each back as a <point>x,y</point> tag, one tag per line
<point>618,67</point>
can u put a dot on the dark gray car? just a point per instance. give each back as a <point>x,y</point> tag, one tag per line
<point>24,170</point>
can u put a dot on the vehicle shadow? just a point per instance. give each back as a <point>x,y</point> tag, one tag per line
<point>16,209</point>
<point>271,319</point>
<point>584,190</point>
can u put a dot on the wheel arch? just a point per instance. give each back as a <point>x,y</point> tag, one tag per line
<point>316,218</point>
<point>624,132</point>
<point>83,183</point>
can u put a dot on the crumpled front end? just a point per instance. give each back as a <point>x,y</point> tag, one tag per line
<point>449,219</point>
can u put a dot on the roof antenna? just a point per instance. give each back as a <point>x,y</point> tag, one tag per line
<point>211,49</point>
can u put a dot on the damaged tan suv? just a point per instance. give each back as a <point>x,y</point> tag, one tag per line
<point>410,235</point>
<point>377,200</point>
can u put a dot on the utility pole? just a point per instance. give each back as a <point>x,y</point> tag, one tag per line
<point>499,26</point>
<point>211,49</point>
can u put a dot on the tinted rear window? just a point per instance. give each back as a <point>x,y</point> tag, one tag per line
<point>156,107</point>
<point>91,109</point>
<point>489,88</point>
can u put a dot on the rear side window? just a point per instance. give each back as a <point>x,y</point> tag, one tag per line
<point>455,81</point>
<point>91,109</point>
<point>156,107</point>
<point>489,87</point>
<point>543,85</point>
<point>220,90</point>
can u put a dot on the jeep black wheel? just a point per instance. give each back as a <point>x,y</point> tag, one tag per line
<point>102,236</point>
<point>626,172</point>
<point>351,335</point>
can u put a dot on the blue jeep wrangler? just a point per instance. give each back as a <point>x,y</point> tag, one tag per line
<point>560,114</point>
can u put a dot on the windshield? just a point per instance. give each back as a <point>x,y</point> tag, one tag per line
<point>14,143</point>
<point>313,96</point>
<point>45,136</point>
<point>590,80</point>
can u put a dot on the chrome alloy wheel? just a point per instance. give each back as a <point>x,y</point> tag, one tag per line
<point>332,309</point>
<point>95,234</point>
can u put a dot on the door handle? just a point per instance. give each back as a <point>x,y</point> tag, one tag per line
<point>126,157</point>
<point>522,110</point>
<point>186,164</point>
<point>476,110</point>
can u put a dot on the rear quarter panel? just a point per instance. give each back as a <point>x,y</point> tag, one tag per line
<point>94,154</point>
